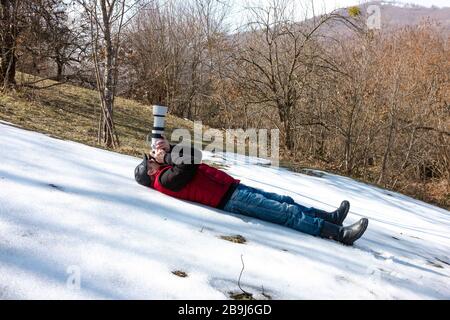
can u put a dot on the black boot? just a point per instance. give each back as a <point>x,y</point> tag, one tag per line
<point>337,216</point>
<point>346,235</point>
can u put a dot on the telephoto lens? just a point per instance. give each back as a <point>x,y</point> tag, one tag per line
<point>159,118</point>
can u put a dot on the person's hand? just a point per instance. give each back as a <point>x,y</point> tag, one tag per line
<point>163,144</point>
<point>159,154</point>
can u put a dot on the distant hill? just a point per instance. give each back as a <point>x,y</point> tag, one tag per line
<point>394,15</point>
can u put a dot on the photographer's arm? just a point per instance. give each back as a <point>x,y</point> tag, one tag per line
<point>183,168</point>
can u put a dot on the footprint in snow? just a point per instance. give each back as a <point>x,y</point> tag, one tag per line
<point>443,261</point>
<point>54,186</point>
<point>434,264</point>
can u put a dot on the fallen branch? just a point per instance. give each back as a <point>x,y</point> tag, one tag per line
<point>239,280</point>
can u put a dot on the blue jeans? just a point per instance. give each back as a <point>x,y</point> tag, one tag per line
<point>275,208</point>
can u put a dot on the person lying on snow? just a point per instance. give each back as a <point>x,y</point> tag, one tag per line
<point>168,171</point>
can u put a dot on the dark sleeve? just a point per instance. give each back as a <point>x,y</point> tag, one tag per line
<point>184,162</point>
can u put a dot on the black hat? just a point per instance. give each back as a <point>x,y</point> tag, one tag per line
<point>140,173</point>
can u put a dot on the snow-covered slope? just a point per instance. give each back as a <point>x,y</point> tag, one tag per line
<point>66,207</point>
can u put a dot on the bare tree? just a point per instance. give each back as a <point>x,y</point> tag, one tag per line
<point>107,19</point>
<point>174,55</point>
<point>67,41</point>
<point>276,56</point>
<point>52,40</point>
<point>9,30</point>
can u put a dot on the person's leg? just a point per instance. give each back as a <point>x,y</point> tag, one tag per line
<point>254,204</point>
<point>310,211</point>
<point>337,216</point>
<point>271,195</point>
<point>245,201</point>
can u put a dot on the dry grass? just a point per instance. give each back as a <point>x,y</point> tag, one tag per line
<point>433,191</point>
<point>241,296</point>
<point>234,238</point>
<point>180,273</point>
<point>68,112</point>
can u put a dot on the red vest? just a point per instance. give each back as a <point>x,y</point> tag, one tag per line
<point>208,186</point>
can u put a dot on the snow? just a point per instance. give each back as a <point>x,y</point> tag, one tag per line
<point>70,213</point>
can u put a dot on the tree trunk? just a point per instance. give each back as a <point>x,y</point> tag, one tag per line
<point>7,44</point>
<point>108,83</point>
<point>59,70</point>
<point>387,151</point>
<point>289,140</point>
<point>284,114</point>
<point>107,96</point>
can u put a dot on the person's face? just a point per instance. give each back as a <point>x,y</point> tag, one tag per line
<point>152,167</point>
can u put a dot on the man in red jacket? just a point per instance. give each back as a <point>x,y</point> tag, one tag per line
<point>183,176</point>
